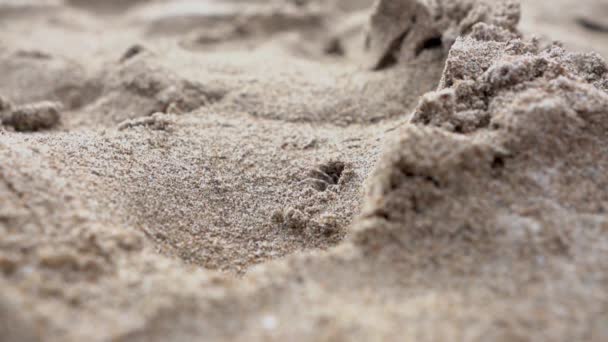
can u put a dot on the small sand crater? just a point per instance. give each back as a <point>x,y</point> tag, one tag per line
<point>325,175</point>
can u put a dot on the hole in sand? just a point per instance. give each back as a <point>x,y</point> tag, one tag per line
<point>592,25</point>
<point>429,44</point>
<point>327,174</point>
<point>498,163</point>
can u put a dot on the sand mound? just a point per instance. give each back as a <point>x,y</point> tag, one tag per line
<point>31,76</point>
<point>166,184</point>
<point>136,86</point>
<point>401,30</point>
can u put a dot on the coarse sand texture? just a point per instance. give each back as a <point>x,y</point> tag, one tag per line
<point>303,170</point>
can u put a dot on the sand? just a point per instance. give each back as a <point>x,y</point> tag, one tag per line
<point>412,170</point>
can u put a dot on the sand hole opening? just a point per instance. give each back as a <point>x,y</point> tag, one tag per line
<point>429,44</point>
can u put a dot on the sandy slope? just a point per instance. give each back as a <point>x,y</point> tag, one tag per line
<point>187,170</point>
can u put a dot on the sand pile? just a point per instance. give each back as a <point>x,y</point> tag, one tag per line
<point>304,170</point>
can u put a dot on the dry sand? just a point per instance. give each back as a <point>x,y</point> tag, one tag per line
<point>429,170</point>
